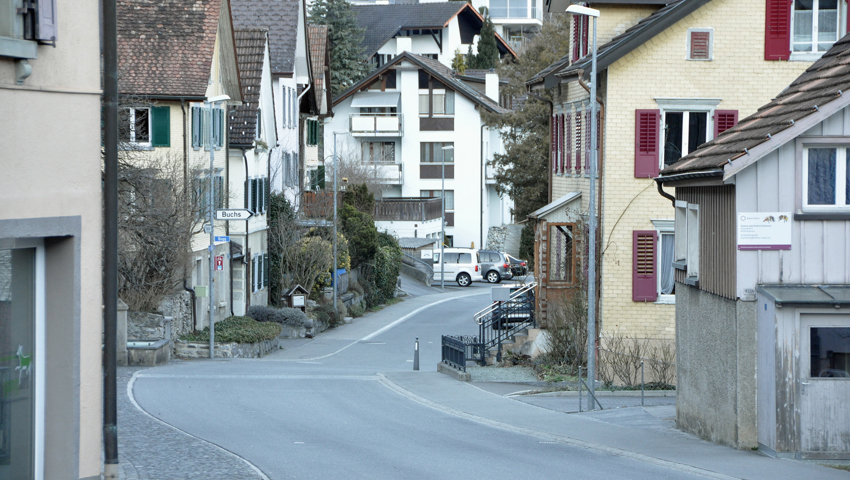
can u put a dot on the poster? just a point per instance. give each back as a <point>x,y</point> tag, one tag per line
<point>764,230</point>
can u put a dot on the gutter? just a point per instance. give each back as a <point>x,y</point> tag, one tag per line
<point>689,175</point>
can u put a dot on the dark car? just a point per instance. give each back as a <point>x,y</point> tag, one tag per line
<point>494,266</point>
<point>518,267</point>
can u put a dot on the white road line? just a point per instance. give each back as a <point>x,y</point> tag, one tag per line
<point>254,376</point>
<point>139,408</point>
<point>549,437</point>
<point>380,330</point>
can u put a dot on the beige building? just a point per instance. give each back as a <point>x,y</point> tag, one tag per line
<point>670,78</point>
<point>50,241</point>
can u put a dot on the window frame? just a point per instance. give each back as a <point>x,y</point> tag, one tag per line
<point>438,194</point>
<point>841,158</point>
<point>692,267</point>
<point>131,118</point>
<point>684,105</point>
<point>550,249</point>
<point>433,148</point>
<point>814,54</point>
<point>688,50</point>
<point>664,227</point>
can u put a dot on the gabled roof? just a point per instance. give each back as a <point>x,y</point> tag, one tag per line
<point>383,22</point>
<point>435,68</point>
<point>811,98</point>
<point>563,201</point>
<point>318,40</point>
<point>166,47</point>
<point>280,18</point>
<point>250,51</point>
<point>620,45</point>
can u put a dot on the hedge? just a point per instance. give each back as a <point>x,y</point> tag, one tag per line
<point>237,329</point>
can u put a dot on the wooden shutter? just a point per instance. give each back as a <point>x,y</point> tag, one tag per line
<point>265,270</point>
<point>46,21</point>
<point>552,147</point>
<point>247,202</point>
<point>559,158</point>
<point>585,27</point>
<point>321,174</point>
<point>219,191</point>
<point>644,276</point>
<point>268,191</point>
<point>647,124</point>
<point>576,37</point>
<point>700,46</point>
<point>161,126</point>
<point>777,30</point>
<point>253,195</point>
<point>724,120</point>
<point>578,140</point>
<point>196,127</point>
<point>587,130</point>
<point>568,141</point>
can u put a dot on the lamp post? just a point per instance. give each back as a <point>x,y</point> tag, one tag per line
<point>443,216</point>
<point>591,270</point>
<point>211,199</point>
<point>333,268</point>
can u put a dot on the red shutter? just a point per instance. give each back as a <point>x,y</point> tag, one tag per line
<point>568,140</point>
<point>777,30</point>
<point>647,123</point>
<point>578,140</point>
<point>576,37</point>
<point>585,26</point>
<point>724,120</point>
<point>552,147</point>
<point>561,146</point>
<point>700,45</point>
<point>587,127</point>
<point>644,276</point>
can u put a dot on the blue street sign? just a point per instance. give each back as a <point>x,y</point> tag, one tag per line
<point>224,238</point>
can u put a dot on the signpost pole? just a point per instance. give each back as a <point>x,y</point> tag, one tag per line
<point>211,197</point>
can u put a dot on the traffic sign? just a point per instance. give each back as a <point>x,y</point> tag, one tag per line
<point>233,214</point>
<point>225,238</point>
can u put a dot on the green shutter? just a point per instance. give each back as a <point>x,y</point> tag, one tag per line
<point>265,270</point>
<point>161,122</point>
<point>320,172</point>
<point>267,188</point>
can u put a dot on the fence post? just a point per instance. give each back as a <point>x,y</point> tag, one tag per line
<point>641,383</point>
<point>416,355</point>
<point>579,389</point>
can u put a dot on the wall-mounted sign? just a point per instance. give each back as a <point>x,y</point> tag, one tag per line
<point>427,254</point>
<point>764,230</point>
<point>219,262</point>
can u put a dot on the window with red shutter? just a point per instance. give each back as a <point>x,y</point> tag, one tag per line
<point>587,127</point>
<point>777,30</point>
<point>552,146</point>
<point>576,37</point>
<point>585,26</point>
<point>724,120</point>
<point>646,143</point>
<point>644,275</point>
<point>699,44</point>
<point>568,140</point>
<point>578,140</point>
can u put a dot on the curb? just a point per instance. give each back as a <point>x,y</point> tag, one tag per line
<point>453,372</point>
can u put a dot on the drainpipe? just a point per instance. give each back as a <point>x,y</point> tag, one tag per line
<point>110,240</point>
<point>665,194</point>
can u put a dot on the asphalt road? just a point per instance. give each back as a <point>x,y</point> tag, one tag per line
<point>319,409</point>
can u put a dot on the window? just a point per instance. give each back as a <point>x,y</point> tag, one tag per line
<point>378,152</point>
<point>665,255</point>
<point>450,196</point>
<point>139,131</point>
<point>312,132</point>
<point>825,178</point>
<point>686,242</point>
<point>290,169</point>
<point>201,127</point>
<point>443,104</point>
<point>829,350</point>
<point>317,178</point>
<point>693,241</point>
<point>434,152</point>
<point>700,43</point>
<point>580,27</point>
<point>35,21</point>
<point>814,25</point>
<point>257,195</point>
<point>258,132</point>
<point>202,193</point>
<point>562,252</point>
<point>683,133</point>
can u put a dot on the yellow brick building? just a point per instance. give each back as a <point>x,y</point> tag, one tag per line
<point>679,73</point>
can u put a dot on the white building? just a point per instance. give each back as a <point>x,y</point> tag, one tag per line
<point>514,20</point>
<point>406,121</point>
<point>251,135</point>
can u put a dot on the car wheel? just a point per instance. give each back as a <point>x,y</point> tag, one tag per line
<point>464,280</point>
<point>493,276</point>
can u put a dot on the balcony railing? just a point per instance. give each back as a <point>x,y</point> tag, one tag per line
<point>376,125</point>
<point>318,204</point>
<point>411,209</point>
<point>388,173</point>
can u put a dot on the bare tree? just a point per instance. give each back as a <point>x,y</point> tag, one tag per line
<point>369,163</point>
<point>309,258</point>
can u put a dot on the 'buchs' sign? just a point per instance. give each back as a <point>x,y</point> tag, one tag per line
<point>233,214</point>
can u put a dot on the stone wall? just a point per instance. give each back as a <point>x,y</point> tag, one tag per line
<point>145,326</point>
<point>179,307</point>
<point>225,350</point>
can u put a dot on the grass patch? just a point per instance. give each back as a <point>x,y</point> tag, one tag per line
<point>837,466</point>
<point>389,302</point>
<point>237,329</point>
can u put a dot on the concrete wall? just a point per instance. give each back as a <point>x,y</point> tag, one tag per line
<point>716,367</point>
<point>51,189</point>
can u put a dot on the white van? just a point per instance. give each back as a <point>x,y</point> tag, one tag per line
<point>460,265</point>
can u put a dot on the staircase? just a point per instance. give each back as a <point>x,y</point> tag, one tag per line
<point>502,326</point>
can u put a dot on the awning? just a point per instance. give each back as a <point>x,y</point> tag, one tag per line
<point>807,294</point>
<point>375,99</point>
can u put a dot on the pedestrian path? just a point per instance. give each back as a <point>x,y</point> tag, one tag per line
<point>151,450</point>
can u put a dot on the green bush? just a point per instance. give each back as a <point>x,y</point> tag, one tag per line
<point>326,312</point>
<point>285,315</point>
<point>237,329</point>
<point>359,229</point>
<point>358,309</point>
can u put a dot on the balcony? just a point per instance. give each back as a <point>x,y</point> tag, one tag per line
<point>376,125</point>
<point>318,205</point>
<point>387,173</point>
<point>407,209</point>
<point>490,174</point>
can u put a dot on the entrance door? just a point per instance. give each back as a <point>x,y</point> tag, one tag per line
<point>21,360</point>
<point>825,385</point>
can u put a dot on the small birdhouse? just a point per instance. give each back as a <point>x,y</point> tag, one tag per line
<point>296,297</point>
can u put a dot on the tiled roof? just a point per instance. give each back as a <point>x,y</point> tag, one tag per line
<point>436,68</point>
<point>280,18</point>
<point>624,43</point>
<point>165,47</point>
<point>318,36</point>
<point>810,94</point>
<point>382,22</point>
<point>250,50</point>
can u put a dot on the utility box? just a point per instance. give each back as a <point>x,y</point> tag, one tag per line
<point>200,291</point>
<point>296,297</point>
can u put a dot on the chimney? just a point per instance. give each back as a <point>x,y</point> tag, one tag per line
<point>491,86</point>
<point>403,44</point>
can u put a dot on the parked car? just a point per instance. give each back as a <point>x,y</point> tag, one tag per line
<point>460,265</point>
<point>519,268</point>
<point>495,266</point>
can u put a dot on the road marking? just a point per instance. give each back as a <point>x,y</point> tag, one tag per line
<point>139,408</point>
<point>382,329</point>
<point>552,438</point>
<point>255,376</point>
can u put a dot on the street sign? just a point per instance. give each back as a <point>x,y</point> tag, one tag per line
<point>223,238</point>
<point>233,214</point>
<point>219,262</point>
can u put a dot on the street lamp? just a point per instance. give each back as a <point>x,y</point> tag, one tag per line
<point>443,216</point>
<point>211,196</point>
<point>591,270</point>
<point>333,269</point>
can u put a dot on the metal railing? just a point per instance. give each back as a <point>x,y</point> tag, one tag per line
<point>457,348</point>
<point>413,209</point>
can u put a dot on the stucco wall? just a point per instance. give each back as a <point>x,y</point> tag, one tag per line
<point>716,367</point>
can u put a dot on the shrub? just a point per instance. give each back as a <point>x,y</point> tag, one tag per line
<point>355,287</point>
<point>358,309</point>
<point>237,329</point>
<point>326,312</point>
<point>285,315</point>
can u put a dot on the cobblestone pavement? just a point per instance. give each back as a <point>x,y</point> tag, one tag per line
<point>150,450</point>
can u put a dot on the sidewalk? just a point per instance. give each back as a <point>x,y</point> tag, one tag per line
<point>635,433</point>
